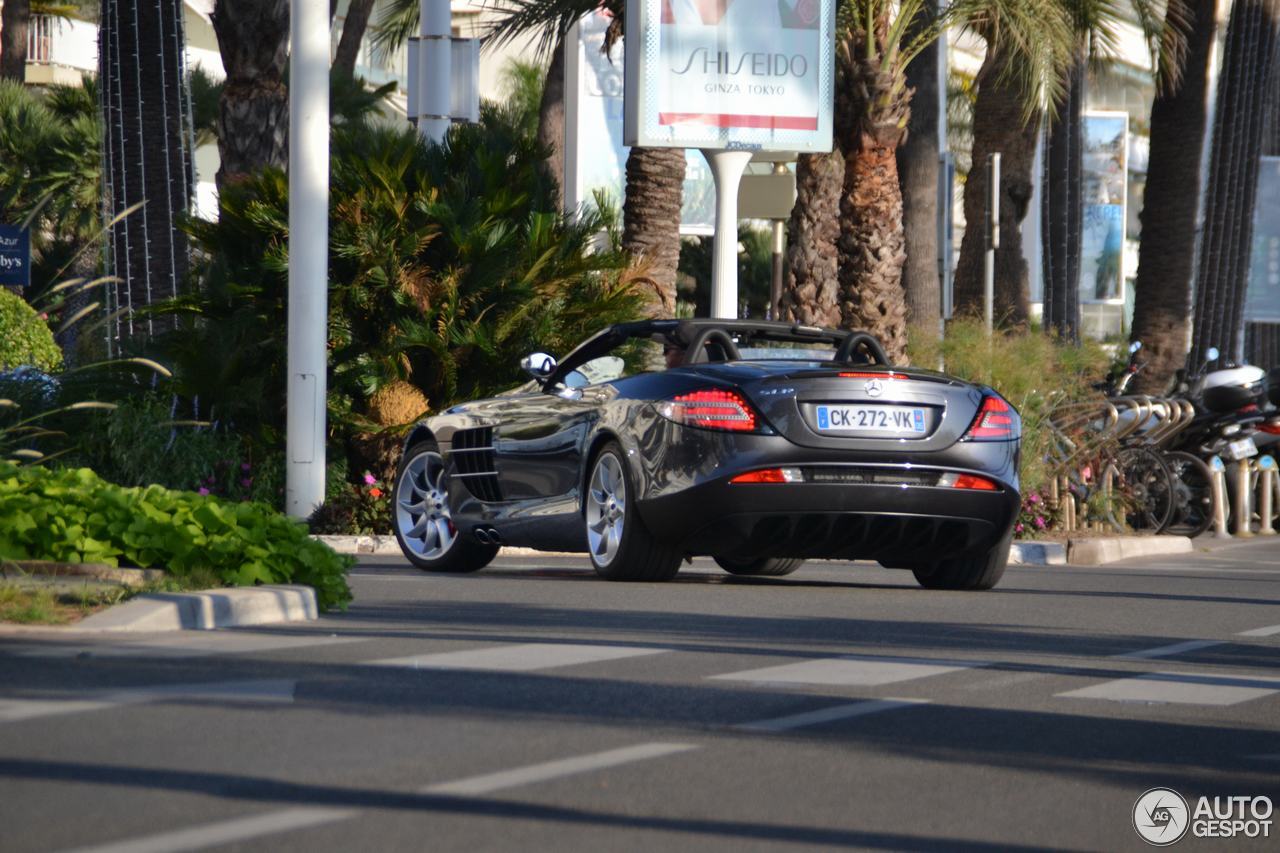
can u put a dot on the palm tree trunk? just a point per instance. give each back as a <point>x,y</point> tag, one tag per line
<point>918,170</point>
<point>1233,178</point>
<point>871,250</point>
<point>1062,206</point>
<point>999,125</point>
<point>1166,254</point>
<point>147,156</point>
<point>353,29</point>
<point>253,119</point>
<point>651,214</point>
<point>551,121</point>
<point>811,294</point>
<point>15,16</point>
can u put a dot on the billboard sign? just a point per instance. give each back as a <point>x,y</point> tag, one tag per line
<point>1263,302</point>
<point>1105,168</point>
<point>15,256</point>
<point>596,158</point>
<point>730,74</point>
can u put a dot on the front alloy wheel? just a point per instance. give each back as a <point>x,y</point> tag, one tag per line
<point>423,523</point>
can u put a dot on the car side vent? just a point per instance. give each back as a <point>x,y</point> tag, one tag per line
<point>474,463</point>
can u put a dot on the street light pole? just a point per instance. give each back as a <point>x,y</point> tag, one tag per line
<point>308,257</point>
<point>727,168</point>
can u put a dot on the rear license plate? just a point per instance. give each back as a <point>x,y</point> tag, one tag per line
<point>891,420</point>
<point>1241,448</point>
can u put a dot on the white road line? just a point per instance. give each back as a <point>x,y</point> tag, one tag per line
<point>1267,757</point>
<point>1181,688</point>
<point>224,832</point>
<point>546,771</point>
<point>828,715</point>
<point>523,657</point>
<point>276,690</point>
<point>848,671</point>
<point>1269,631</point>
<point>1168,651</point>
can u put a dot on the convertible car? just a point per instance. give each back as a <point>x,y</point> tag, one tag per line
<point>758,444</point>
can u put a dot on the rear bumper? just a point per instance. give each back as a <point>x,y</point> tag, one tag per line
<point>878,522</point>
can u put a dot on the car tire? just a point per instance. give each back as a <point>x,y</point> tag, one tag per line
<point>967,573</point>
<point>620,546</point>
<point>421,520</point>
<point>760,567</point>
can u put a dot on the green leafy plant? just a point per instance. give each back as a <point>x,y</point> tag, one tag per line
<point>72,515</point>
<point>25,339</point>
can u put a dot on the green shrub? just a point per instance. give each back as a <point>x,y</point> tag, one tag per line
<point>25,338</point>
<point>1031,370</point>
<point>72,515</point>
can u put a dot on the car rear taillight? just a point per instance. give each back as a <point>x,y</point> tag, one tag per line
<point>771,475</point>
<point>711,409</point>
<point>993,423</point>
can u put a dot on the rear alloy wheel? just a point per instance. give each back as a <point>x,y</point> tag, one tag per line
<point>760,567</point>
<point>620,546</point>
<point>967,573</point>
<point>422,521</point>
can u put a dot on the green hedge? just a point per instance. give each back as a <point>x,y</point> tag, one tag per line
<point>25,339</point>
<point>72,515</point>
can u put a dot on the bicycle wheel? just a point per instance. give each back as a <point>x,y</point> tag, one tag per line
<point>1192,494</point>
<point>1144,489</point>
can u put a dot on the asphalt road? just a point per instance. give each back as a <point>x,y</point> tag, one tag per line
<point>533,707</point>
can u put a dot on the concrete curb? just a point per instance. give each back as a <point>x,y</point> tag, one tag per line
<point>1076,552</point>
<point>1096,552</point>
<point>203,611</point>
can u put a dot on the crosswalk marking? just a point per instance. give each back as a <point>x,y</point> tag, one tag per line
<point>224,832</point>
<point>851,670</point>
<point>523,657</point>
<point>491,782</point>
<point>267,690</point>
<point>1269,631</point>
<point>1181,688</point>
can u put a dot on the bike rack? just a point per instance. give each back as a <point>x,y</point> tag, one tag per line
<point>1218,488</point>
<point>1268,482</point>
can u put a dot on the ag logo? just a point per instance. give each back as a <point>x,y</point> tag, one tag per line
<point>874,387</point>
<point>1161,817</point>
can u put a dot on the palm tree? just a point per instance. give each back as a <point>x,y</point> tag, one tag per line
<point>1020,64</point>
<point>1098,31</point>
<point>918,172</point>
<point>147,155</point>
<point>353,30</point>
<point>253,121</point>
<point>1248,64</point>
<point>1166,253</point>
<point>14,18</point>
<point>875,42</point>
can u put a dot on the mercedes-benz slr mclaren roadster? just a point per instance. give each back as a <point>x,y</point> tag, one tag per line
<point>758,444</point>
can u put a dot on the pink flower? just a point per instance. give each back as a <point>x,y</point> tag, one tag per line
<point>1033,498</point>
<point>244,466</point>
<point>246,482</point>
<point>1039,522</point>
<point>202,490</point>
<point>1017,528</point>
<point>369,479</point>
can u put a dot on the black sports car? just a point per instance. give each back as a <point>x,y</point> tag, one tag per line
<point>759,444</point>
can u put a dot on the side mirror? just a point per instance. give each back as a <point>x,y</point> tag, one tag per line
<point>539,365</point>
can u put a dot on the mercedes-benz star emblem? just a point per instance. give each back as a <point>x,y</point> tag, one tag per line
<point>875,387</point>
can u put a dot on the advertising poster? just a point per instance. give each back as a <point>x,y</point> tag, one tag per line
<point>1106,144</point>
<point>720,74</point>
<point>15,257</point>
<point>1263,303</point>
<point>601,158</point>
